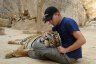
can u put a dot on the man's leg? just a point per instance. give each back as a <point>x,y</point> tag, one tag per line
<point>53,54</point>
<point>50,53</point>
<point>34,53</point>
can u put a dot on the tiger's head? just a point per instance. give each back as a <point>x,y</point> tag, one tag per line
<point>52,40</point>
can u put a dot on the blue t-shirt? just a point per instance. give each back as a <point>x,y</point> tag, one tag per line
<point>65,29</point>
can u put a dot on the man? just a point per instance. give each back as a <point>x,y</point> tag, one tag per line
<point>71,38</point>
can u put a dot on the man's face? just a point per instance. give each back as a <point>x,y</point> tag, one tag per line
<point>55,19</point>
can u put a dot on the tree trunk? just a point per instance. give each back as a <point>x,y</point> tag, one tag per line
<point>39,14</point>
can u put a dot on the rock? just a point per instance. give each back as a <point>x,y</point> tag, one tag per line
<point>90,7</point>
<point>4,23</point>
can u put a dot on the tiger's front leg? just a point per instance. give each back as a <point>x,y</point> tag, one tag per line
<point>17,41</point>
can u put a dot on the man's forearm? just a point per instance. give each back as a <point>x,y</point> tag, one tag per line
<point>76,45</point>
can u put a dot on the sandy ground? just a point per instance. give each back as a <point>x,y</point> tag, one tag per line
<point>89,49</point>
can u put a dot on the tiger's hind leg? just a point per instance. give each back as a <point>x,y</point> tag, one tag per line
<point>20,52</point>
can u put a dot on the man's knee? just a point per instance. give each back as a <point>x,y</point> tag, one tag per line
<point>38,45</point>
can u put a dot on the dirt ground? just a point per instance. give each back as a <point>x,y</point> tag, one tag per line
<point>89,49</point>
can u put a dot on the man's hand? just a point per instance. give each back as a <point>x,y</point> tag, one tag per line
<point>62,49</point>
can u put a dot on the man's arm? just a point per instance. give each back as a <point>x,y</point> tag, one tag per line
<point>80,40</point>
<point>78,43</point>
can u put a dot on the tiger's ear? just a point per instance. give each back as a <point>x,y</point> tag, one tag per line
<point>46,43</point>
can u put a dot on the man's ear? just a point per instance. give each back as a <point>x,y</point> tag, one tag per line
<point>58,13</point>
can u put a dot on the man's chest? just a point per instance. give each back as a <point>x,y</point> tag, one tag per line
<point>62,31</point>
